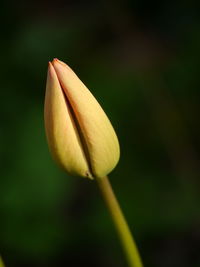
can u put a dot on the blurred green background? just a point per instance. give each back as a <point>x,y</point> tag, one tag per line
<point>141,61</point>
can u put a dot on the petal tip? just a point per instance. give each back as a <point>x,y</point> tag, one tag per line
<point>50,69</point>
<point>49,64</point>
<point>58,63</point>
<point>56,60</point>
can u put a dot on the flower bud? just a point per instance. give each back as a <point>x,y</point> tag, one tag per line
<point>80,136</point>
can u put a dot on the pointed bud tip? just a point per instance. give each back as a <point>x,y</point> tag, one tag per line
<point>51,71</point>
<point>57,62</point>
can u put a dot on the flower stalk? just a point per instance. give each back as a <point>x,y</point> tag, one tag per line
<point>124,233</point>
<point>1,262</point>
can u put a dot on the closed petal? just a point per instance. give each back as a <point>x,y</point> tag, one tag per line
<point>99,135</point>
<point>61,131</point>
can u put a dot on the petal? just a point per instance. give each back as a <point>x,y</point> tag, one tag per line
<point>61,131</point>
<point>98,133</point>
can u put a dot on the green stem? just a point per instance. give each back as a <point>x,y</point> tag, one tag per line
<point>1,262</point>
<point>128,243</point>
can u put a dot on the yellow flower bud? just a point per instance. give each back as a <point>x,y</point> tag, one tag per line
<point>80,136</point>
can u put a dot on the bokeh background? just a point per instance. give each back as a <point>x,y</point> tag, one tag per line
<point>141,61</point>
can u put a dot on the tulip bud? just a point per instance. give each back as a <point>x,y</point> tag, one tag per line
<point>80,136</point>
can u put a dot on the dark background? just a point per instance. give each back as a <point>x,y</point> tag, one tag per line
<point>141,61</point>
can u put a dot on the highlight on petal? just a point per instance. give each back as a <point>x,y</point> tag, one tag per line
<point>79,133</point>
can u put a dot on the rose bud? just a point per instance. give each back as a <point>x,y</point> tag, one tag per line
<point>80,135</point>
